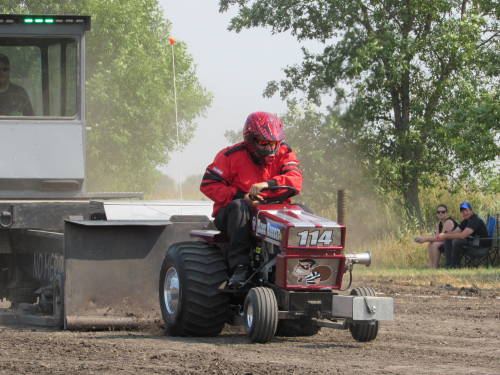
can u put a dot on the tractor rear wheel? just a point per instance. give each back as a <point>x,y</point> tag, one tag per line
<point>191,303</point>
<point>363,331</point>
<point>260,314</point>
<point>297,328</point>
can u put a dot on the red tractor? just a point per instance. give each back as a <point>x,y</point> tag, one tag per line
<point>298,264</point>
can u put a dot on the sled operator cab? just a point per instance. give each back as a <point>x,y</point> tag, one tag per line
<point>53,233</point>
<point>42,105</point>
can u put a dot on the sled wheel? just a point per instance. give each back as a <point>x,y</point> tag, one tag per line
<point>297,328</point>
<point>363,331</point>
<point>260,314</point>
<point>191,303</point>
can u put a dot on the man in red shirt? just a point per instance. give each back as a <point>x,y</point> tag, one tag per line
<point>238,175</point>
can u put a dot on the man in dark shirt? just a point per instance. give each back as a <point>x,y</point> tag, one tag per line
<point>14,101</point>
<point>473,233</point>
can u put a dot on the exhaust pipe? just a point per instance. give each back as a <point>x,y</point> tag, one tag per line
<point>360,258</point>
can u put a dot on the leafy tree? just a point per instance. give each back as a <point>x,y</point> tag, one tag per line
<point>329,163</point>
<point>130,101</point>
<point>421,75</point>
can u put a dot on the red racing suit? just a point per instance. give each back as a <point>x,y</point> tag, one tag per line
<point>234,171</point>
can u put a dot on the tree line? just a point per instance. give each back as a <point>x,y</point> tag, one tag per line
<point>415,86</point>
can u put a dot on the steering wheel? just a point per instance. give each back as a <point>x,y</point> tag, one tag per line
<point>290,192</point>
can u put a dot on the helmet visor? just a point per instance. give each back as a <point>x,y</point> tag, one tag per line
<point>264,143</point>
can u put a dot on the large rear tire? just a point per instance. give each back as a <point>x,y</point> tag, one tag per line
<point>260,314</point>
<point>297,328</point>
<point>191,303</point>
<point>363,331</point>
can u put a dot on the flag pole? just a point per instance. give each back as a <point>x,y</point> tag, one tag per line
<point>179,170</point>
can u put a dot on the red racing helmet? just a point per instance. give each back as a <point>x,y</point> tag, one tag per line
<point>263,126</point>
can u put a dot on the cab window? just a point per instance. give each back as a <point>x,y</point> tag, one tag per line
<point>39,77</point>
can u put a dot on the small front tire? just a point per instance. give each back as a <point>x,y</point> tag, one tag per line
<point>364,331</point>
<point>260,314</point>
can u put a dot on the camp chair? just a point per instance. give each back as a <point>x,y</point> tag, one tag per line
<point>474,256</point>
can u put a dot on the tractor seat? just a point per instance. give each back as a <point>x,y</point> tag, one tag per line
<point>209,235</point>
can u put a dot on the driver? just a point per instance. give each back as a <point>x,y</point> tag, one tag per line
<point>236,178</point>
<point>14,101</point>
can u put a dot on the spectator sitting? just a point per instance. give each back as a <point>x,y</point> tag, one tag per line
<point>472,227</point>
<point>446,224</point>
<point>14,101</point>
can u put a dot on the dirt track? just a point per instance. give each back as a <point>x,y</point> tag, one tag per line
<point>437,331</point>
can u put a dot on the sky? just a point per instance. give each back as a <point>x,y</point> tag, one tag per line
<point>234,67</point>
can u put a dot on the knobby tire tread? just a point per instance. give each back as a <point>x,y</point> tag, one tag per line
<point>265,314</point>
<point>202,308</point>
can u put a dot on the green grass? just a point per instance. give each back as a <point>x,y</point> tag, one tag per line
<point>482,278</point>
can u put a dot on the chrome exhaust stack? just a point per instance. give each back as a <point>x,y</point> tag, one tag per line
<point>360,258</point>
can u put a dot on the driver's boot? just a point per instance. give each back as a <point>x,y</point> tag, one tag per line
<point>239,276</point>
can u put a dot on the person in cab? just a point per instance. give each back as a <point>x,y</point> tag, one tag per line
<point>14,100</point>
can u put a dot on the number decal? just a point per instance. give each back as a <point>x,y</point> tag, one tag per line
<point>326,238</point>
<point>313,238</point>
<point>303,238</point>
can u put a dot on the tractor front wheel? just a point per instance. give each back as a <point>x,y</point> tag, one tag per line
<point>364,331</point>
<point>260,314</point>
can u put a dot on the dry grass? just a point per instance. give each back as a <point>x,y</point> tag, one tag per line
<point>484,203</point>
<point>482,278</point>
<point>397,251</point>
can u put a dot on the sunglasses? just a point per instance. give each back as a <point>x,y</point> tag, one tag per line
<point>440,212</point>
<point>263,143</point>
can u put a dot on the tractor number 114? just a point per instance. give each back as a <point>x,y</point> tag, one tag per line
<point>313,238</point>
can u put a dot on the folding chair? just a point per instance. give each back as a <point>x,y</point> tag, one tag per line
<point>474,255</point>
